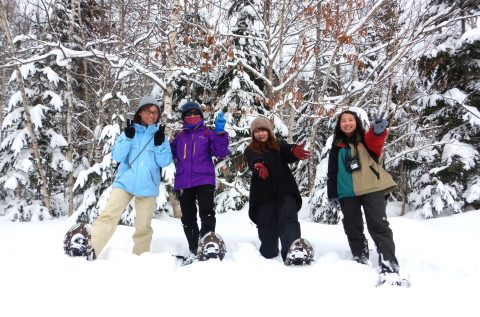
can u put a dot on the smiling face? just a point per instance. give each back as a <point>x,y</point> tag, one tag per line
<point>149,115</point>
<point>348,124</point>
<point>261,135</point>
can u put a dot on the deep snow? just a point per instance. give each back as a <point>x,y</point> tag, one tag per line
<point>440,256</point>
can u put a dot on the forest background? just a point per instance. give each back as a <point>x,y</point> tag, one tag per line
<point>73,71</point>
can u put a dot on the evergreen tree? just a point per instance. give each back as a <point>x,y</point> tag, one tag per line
<point>451,77</point>
<point>242,96</point>
<point>93,185</point>
<point>45,97</point>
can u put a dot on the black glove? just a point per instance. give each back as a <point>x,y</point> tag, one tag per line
<point>129,130</point>
<point>380,124</point>
<point>159,136</point>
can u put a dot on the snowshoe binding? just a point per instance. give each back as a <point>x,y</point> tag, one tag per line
<point>392,279</point>
<point>77,242</point>
<point>186,260</point>
<point>211,246</point>
<point>299,253</point>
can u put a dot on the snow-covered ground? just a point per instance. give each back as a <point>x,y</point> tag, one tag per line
<point>440,256</point>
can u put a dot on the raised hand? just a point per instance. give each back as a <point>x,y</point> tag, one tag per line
<point>220,123</point>
<point>159,136</point>
<point>129,129</point>
<point>300,153</point>
<point>380,124</point>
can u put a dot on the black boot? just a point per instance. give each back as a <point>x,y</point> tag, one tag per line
<point>192,234</point>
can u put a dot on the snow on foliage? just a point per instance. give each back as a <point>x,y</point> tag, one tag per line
<point>472,116</point>
<point>455,95</point>
<point>279,126</point>
<point>52,75</point>
<point>55,100</point>
<point>12,118</point>
<point>473,191</point>
<point>28,70</point>
<point>37,113</point>
<point>56,140</point>
<point>16,98</point>
<point>466,152</point>
<point>11,183</point>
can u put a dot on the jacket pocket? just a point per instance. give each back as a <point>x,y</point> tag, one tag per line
<point>155,176</point>
<point>203,167</point>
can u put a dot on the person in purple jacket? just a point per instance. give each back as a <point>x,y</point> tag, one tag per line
<point>193,149</point>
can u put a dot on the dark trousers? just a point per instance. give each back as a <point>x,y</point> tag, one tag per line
<point>203,195</point>
<point>276,219</point>
<point>374,205</point>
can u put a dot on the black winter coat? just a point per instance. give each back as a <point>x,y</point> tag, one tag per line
<point>280,179</point>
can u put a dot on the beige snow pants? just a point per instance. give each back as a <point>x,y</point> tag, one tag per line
<point>106,223</point>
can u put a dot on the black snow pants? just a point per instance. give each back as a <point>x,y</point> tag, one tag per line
<point>374,205</point>
<point>276,219</point>
<point>203,195</point>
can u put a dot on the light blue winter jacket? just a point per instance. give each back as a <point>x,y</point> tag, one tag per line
<point>140,176</point>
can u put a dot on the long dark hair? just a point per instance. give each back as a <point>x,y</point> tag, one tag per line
<point>136,116</point>
<point>359,135</point>
<point>263,147</point>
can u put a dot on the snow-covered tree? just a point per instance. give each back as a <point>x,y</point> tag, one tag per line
<point>447,174</point>
<point>44,91</point>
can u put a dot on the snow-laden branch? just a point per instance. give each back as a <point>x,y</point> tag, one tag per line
<point>406,135</point>
<point>416,149</point>
<point>255,72</point>
<point>362,22</point>
<point>234,186</point>
<point>64,55</point>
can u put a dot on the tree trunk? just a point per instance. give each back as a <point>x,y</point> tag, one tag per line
<point>70,140</point>
<point>168,94</point>
<point>121,19</point>
<point>28,119</point>
<point>292,105</point>
<point>69,119</point>
<point>270,66</point>
<point>321,96</point>
<point>2,100</point>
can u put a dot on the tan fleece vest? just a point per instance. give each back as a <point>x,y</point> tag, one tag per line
<point>371,177</point>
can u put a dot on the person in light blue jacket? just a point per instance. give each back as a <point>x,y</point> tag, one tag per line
<point>142,149</point>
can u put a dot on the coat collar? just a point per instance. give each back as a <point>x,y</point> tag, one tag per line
<point>200,127</point>
<point>341,142</point>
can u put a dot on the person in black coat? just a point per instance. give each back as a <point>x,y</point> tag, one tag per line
<point>274,196</point>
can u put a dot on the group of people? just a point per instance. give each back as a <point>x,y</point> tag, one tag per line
<point>356,179</point>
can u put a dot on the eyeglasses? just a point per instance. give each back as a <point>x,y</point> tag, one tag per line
<point>152,113</point>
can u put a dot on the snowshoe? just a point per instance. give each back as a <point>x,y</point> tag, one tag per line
<point>77,242</point>
<point>299,253</point>
<point>186,260</point>
<point>392,279</point>
<point>211,246</point>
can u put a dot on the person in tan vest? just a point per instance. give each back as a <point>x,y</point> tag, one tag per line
<point>357,179</point>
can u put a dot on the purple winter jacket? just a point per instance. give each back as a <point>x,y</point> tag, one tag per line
<point>193,149</point>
